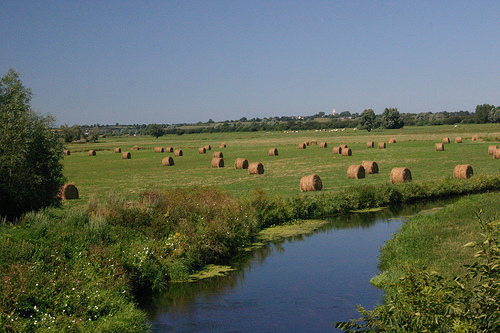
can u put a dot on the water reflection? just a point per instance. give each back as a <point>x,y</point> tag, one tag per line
<point>298,283</point>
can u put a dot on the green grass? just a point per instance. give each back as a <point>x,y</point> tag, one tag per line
<point>107,172</point>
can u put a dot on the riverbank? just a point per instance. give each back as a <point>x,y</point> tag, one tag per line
<point>83,269</point>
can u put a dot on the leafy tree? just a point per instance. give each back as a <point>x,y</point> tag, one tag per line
<point>391,118</point>
<point>94,134</point>
<point>494,115</point>
<point>30,153</point>
<point>367,120</point>
<point>155,130</point>
<point>72,133</point>
<point>482,112</point>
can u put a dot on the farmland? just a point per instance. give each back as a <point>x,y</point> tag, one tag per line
<point>414,148</point>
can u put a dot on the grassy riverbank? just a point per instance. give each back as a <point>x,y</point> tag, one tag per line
<point>82,269</point>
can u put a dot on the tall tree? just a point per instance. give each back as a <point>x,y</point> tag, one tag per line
<point>155,130</point>
<point>391,118</point>
<point>367,120</point>
<point>30,153</point>
<point>482,112</point>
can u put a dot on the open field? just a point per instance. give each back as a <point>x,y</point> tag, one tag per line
<point>414,148</point>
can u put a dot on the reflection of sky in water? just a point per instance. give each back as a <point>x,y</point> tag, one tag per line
<point>299,285</point>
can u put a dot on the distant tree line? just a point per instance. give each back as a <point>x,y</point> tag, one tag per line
<point>391,118</point>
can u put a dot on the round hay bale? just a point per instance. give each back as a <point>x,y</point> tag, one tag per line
<point>302,145</point>
<point>370,144</point>
<point>346,152</point>
<point>311,183</point>
<point>167,161</point>
<point>159,149</point>
<point>307,143</point>
<point>217,162</point>
<point>273,152</point>
<point>218,154</point>
<point>463,171</point>
<point>256,168</point>
<point>355,172</point>
<point>314,142</point>
<point>392,140</point>
<point>118,150</point>
<point>400,175</point>
<point>381,145</point>
<point>439,146</point>
<point>458,140</point>
<point>69,192</point>
<point>337,150</point>
<point>126,156</point>
<point>208,147</point>
<point>446,140</point>
<point>66,152</point>
<point>475,137</point>
<point>323,145</point>
<point>178,152</point>
<point>135,148</point>
<point>92,152</point>
<point>222,145</point>
<point>343,146</point>
<point>496,154</point>
<point>241,163</point>
<point>202,150</point>
<point>491,149</point>
<point>370,166</point>
<point>169,149</point>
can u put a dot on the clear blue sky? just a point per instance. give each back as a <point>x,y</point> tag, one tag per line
<point>142,62</point>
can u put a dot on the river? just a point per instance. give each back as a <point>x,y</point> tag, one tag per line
<point>299,284</point>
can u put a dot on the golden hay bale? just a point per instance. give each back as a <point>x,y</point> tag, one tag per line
<point>400,175</point>
<point>458,140</point>
<point>491,149</point>
<point>355,172</point>
<point>202,150</point>
<point>218,154</point>
<point>273,152</point>
<point>475,137</point>
<point>381,145</point>
<point>323,145</point>
<point>370,166</point>
<point>241,163</point>
<point>343,146</point>
<point>346,152</point>
<point>126,156</point>
<point>159,149</point>
<point>446,140</point>
<point>222,145</point>
<point>118,150</point>
<point>307,143</point>
<point>169,149</point>
<point>311,183</point>
<point>66,152</point>
<point>370,144</point>
<point>314,142</point>
<point>135,148</point>
<point>302,145</point>
<point>217,162</point>
<point>463,171</point>
<point>439,146</point>
<point>178,152</point>
<point>337,150</point>
<point>208,147</point>
<point>256,168</point>
<point>496,154</point>
<point>69,192</point>
<point>167,161</point>
<point>92,152</point>
<point>392,140</point>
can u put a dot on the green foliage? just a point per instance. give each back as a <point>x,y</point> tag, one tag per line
<point>391,118</point>
<point>367,120</point>
<point>155,130</point>
<point>482,113</point>
<point>425,301</point>
<point>30,154</point>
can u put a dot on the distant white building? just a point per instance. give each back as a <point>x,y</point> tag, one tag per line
<point>333,112</point>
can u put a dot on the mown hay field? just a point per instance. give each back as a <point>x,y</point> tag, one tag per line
<point>107,172</point>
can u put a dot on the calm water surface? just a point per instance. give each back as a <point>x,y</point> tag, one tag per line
<point>299,284</point>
